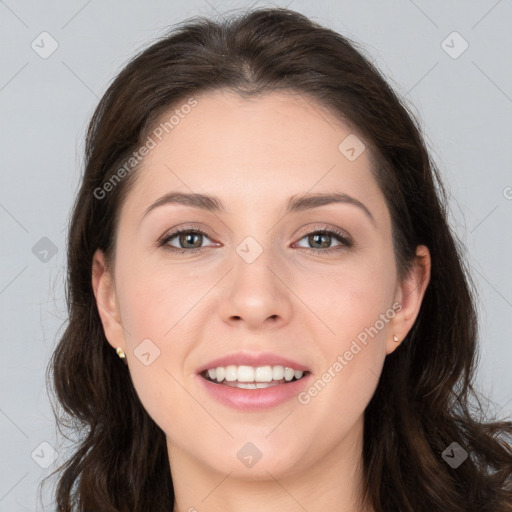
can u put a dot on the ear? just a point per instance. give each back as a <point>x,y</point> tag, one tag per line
<point>409,295</point>
<point>106,301</point>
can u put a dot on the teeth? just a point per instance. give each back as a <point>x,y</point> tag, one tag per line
<point>252,385</point>
<point>277,373</point>
<point>245,374</point>
<point>289,373</point>
<point>263,374</point>
<point>253,376</point>
<point>231,373</point>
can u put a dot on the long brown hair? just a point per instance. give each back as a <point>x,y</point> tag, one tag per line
<point>425,399</point>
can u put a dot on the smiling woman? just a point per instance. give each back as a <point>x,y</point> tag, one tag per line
<point>275,269</point>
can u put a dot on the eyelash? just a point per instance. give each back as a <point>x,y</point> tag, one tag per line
<point>346,243</point>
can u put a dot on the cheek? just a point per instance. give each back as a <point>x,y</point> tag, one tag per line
<point>350,296</point>
<point>349,373</point>
<point>153,299</point>
<point>152,303</point>
<point>355,302</point>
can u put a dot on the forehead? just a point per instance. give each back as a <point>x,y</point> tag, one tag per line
<point>268,146</point>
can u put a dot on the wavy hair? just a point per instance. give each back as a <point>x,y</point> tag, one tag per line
<point>425,399</point>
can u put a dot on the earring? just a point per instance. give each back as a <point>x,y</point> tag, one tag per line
<point>120,353</point>
<point>395,339</point>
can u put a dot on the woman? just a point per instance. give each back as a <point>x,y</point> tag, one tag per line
<point>313,347</point>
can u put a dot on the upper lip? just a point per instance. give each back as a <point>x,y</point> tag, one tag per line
<point>253,359</point>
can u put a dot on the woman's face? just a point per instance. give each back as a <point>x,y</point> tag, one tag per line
<point>263,288</point>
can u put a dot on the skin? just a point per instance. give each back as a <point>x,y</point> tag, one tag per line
<point>254,154</point>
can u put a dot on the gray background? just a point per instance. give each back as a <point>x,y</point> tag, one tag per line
<point>464,103</point>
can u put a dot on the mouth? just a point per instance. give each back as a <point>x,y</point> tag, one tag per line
<point>253,381</point>
<point>253,377</point>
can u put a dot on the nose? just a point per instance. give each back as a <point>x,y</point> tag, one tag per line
<point>255,294</point>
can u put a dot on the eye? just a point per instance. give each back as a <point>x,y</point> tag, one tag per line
<point>320,238</point>
<point>189,240</point>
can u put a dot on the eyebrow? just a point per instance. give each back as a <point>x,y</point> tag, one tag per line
<point>295,204</point>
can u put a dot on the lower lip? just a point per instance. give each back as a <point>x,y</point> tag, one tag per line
<point>255,399</point>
